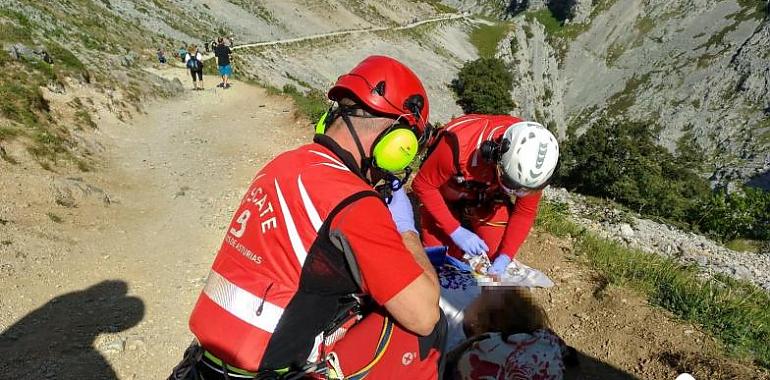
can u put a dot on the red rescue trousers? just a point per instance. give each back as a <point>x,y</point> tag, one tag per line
<point>378,348</point>
<point>488,222</point>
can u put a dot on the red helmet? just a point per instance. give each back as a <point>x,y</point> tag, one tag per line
<point>387,87</point>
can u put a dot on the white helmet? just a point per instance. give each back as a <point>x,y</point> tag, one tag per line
<point>531,157</point>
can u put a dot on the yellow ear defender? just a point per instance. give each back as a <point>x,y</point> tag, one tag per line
<point>320,126</point>
<point>395,150</point>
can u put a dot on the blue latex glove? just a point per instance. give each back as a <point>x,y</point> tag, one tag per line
<point>468,242</point>
<point>401,211</point>
<point>499,265</point>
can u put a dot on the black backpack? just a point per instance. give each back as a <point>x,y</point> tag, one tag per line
<point>194,63</point>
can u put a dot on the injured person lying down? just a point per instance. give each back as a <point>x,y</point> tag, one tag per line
<point>496,331</point>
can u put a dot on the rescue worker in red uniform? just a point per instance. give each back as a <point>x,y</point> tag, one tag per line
<point>314,277</point>
<point>481,183</point>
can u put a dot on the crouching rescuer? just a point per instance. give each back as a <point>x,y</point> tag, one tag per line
<point>480,186</point>
<point>318,276</point>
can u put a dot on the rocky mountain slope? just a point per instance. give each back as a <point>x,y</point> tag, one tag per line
<point>696,70</point>
<point>53,49</point>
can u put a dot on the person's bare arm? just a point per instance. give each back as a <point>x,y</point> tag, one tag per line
<point>416,306</point>
<point>414,245</point>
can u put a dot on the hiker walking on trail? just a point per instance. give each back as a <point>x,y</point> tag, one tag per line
<point>317,276</point>
<point>480,186</point>
<point>161,56</point>
<point>222,52</point>
<point>194,62</point>
<point>182,53</point>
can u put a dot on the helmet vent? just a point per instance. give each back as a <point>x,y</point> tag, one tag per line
<point>379,89</point>
<point>523,140</point>
<point>532,135</point>
<point>519,165</point>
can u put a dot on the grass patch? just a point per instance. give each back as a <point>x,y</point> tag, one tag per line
<point>546,18</point>
<point>311,104</point>
<point>554,28</point>
<point>614,52</point>
<point>558,35</point>
<point>486,38</point>
<point>645,24</point>
<point>753,9</point>
<point>744,245</point>
<point>620,102</point>
<point>733,311</point>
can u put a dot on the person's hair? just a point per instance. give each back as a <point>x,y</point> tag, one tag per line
<point>220,40</point>
<point>508,311</point>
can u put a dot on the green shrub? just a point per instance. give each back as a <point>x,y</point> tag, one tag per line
<point>484,86</point>
<point>623,163</point>
<point>728,216</point>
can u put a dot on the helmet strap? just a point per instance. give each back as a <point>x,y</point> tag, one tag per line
<point>366,161</point>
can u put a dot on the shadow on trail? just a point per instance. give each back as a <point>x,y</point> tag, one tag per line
<point>592,368</point>
<point>56,341</point>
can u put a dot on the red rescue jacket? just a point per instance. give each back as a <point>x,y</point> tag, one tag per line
<point>455,171</point>
<point>281,279</point>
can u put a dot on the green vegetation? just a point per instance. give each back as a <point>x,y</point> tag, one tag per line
<point>620,102</point>
<point>556,29</point>
<point>645,24</point>
<point>739,214</point>
<point>753,9</point>
<point>24,113</point>
<point>614,52</point>
<point>733,311</point>
<point>744,245</point>
<point>552,26</point>
<point>484,86</point>
<point>50,37</point>
<point>486,38</point>
<point>623,163</point>
<point>311,105</point>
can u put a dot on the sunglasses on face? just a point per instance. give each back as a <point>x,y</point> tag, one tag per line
<point>510,186</point>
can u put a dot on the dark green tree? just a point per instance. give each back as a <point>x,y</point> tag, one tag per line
<point>622,162</point>
<point>484,86</point>
<point>562,10</point>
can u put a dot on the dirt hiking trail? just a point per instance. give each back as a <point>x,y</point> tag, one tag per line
<point>99,270</point>
<point>172,177</point>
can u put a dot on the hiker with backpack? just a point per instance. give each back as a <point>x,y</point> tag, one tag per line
<point>194,62</point>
